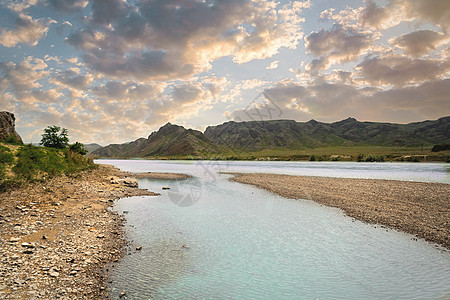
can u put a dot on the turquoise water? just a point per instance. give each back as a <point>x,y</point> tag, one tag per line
<point>208,238</point>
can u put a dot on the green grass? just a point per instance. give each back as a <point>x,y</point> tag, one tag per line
<point>336,153</point>
<point>29,163</point>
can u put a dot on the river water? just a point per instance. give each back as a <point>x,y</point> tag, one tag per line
<point>209,238</point>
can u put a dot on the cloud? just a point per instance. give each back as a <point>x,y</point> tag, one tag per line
<point>71,78</point>
<point>165,40</point>
<point>68,6</point>
<point>27,30</point>
<point>338,45</point>
<point>420,42</point>
<point>273,65</point>
<point>330,102</point>
<point>380,18</point>
<point>400,70</point>
<point>434,11</point>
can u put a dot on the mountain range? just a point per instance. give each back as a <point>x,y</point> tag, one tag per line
<point>238,137</point>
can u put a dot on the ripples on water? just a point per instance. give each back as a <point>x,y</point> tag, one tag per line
<point>246,243</point>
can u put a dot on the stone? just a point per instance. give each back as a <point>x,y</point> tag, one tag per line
<point>8,126</point>
<point>166,188</point>
<point>122,294</point>
<point>53,274</point>
<point>138,248</point>
<point>28,245</point>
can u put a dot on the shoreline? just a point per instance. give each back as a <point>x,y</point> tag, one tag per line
<point>418,208</point>
<point>58,238</point>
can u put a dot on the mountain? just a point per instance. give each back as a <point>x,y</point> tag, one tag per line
<point>259,135</point>
<point>7,127</point>
<point>169,140</point>
<point>91,147</point>
<point>253,136</point>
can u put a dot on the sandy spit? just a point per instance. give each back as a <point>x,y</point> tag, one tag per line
<point>422,209</point>
<point>57,238</point>
<point>155,175</point>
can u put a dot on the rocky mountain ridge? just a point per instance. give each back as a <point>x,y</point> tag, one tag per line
<point>232,137</point>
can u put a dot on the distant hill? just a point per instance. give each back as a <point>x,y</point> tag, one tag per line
<point>253,136</point>
<point>259,135</point>
<point>91,147</point>
<point>169,140</point>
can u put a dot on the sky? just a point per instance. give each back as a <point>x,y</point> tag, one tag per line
<point>112,71</point>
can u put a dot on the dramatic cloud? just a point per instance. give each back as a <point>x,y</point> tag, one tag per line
<point>163,40</point>
<point>68,5</point>
<point>432,11</point>
<point>420,42</point>
<point>126,67</point>
<point>337,45</point>
<point>398,70</point>
<point>27,30</point>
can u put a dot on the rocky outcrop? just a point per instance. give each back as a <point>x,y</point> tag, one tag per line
<point>7,126</point>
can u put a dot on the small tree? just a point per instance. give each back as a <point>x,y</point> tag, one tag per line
<point>55,137</point>
<point>78,148</point>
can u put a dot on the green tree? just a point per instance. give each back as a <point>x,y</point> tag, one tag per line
<point>55,137</point>
<point>78,148</point>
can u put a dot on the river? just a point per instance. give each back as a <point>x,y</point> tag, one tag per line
<point>209,238</point>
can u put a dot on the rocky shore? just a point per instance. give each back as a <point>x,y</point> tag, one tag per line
<point>58,238</point>
<point>422,209</point>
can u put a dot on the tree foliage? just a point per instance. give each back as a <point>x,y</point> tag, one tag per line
<point>78,148</point>
<point>55,137</point>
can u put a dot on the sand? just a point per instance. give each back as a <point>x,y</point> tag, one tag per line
<point>422,209</point>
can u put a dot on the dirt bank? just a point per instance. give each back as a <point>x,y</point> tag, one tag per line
<point>57,237</point>
<point>422,209</point>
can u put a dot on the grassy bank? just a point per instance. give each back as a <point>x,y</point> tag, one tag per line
<point>354,153</point>
<point>20,164</point>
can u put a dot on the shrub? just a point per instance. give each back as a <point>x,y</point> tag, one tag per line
<point>13,140</point>
<point>312,158</point>
<point>442,147</point>
<point>78,148</point>
<point>360,157</point>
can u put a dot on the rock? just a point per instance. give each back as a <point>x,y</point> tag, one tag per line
<point>130,182</point>
<point>7,126</point>
<point>122,294</point>
<point>28,245</point>
<point>53,274</point>
<point>28,252</point>
<point>166,188</point>
<point>138,248</point>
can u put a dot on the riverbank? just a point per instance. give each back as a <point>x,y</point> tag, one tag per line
<point>422,209</point>
<point>57,237</point>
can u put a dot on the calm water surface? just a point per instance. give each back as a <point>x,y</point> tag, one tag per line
<point>208,238</point>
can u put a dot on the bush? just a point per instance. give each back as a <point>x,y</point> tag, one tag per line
<point>13,140</point>
<point>33,162</point>
<point>78,148</point>
<point>374,158</point>
<point>312,158</point>
<point>360,157</point>
<point>442,147</point>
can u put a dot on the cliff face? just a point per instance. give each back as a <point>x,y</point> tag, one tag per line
<point>7,126</point>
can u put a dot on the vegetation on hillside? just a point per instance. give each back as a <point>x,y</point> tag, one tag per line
<point>27,163</point>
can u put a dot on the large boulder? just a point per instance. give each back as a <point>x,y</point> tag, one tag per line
<point>7,126</point>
